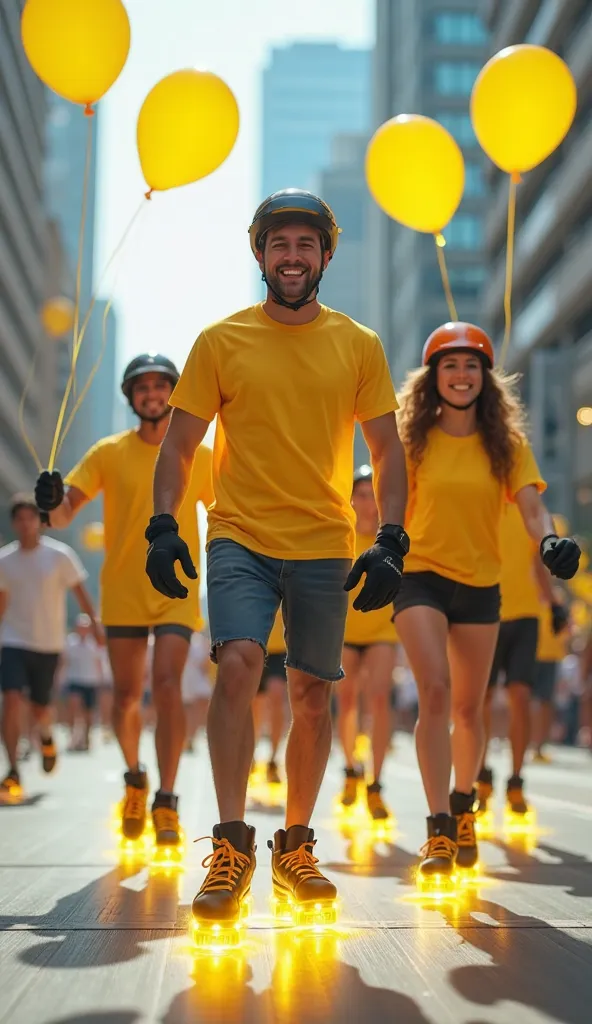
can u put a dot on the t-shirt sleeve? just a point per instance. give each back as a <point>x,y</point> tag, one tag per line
<point>376,393</point>
<point>198,388</point>
<point>73,571</point>
<point>525,472</point>
<point>87,476</point>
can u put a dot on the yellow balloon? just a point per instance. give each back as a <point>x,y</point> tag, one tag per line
<point>415,172</point>
<point>187,126</point>
<point>93,536</point>
<point>77,47</point>
<point>57,316</point>
<point>522,106</point>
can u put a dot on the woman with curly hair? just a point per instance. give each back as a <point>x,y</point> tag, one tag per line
<point>467,453</point>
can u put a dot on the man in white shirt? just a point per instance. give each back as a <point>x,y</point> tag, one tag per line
<point>36,574</point>
<point>83,674</point>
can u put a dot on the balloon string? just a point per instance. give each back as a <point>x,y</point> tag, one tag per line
<point>79,340</point>
<point>514,181</point>
<point>85,183</point>
<point>91,375</point>
<point>21,413</point>
<point>440,243</point>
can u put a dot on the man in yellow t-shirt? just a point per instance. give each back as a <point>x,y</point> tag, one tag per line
<point>121,467</point>
<point>271,695</point>
<point>287,379</point>
<point>368,661</point>
<point>524,585</point>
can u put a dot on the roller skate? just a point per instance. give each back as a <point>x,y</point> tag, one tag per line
<point>11,791</point>
<point>49,754</point>
<point>273,776</point>
<point>302,896</point>
<point>168,838</point>
<point>349,794</point>
<point>376,806</point>
<point>221,906</point>
<point>467,854</point>
<point>436,873</point>
<point>133,813</point>
<point>484,814</point>
<point>518,816</point>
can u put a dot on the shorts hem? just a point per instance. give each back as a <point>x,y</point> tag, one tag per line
<point>327,677</point>
<point>230,639</point>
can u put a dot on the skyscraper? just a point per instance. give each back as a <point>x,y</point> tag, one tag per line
<point>25,244</point>
<point>428,54</point>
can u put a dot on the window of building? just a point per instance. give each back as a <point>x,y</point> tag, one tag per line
<point>465,232</point>
<point>458,27</point>
<point>459,126</point>
<point>474,180</point>
<point>454,77</point>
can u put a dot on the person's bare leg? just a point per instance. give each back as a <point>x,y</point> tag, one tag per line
<point>170,655</point>
<point>11,723</point>
<point>423,632</point>
<point>259,711</point>
<point>543,723</point>
<point>128,662</point>
<point>309,744</point>
<point>470,655</point>
<point>347,704</point>
<point>486,724</point>
<point>519,695</point>
<point>379,662</point>
<point>230,724</point>
<point>276,693</point>
<point>73,709</point>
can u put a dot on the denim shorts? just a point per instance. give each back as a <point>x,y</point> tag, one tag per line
<point>245,590</point>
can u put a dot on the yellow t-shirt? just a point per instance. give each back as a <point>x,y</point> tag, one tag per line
<point>455,506</point>
<point>518,583</point>
<point>368,627</point>
<point>276,644</point>
<point>550,647</point>
<point>287,399</point>
<point>122,467</point>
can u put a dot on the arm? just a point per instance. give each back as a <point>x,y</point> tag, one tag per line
<point>535,517</point>
<point>388,465</point>
<point>86,605</point>
<point>173,466</point>
<point>63,515</point>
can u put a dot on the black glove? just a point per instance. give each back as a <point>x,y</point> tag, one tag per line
<point>559,618</point>
<point>383,565</point>
<point>49,490</point>
<point>561,556</point>
<point>166,548</point>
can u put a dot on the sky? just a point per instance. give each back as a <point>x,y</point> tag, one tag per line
<point>187,261</point>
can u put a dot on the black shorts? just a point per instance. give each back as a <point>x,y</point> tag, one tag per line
<point>545,679</point>
<point>515,654</point>
<point>87,694</point>
<point>459,602</point>
<point>166,629</point>
<point>274,668</point>
<point>31,673</point>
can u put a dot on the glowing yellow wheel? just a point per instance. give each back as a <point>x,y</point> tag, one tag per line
<point>218,936</point>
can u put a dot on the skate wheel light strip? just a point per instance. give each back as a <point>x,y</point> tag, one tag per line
<point>218,936</point>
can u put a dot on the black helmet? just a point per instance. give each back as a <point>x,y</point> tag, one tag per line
<point>362,473</point>
<point>294,206</point>
<point>148,362</point>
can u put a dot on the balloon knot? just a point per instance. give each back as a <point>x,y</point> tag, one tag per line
<point>148,195</point>
<point>88,111</point>
<point>440,240</point>
<point>516,177</point>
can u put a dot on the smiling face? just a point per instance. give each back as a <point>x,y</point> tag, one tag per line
<point>364,505</point>
<point>293,260</point>
<point>150,396</point>
<point>459,378</point>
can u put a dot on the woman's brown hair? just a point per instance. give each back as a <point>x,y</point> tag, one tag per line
<point>501,420</point>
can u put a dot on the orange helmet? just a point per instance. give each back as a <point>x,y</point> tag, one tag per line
<point>457,336</point>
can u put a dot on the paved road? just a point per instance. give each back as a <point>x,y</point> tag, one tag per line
<point>84,940</point>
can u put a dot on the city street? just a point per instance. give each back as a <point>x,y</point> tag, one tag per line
<point>86,940</point>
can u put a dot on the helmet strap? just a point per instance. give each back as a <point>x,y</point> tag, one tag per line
<point>461,408</point>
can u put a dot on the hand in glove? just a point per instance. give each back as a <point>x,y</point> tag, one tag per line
<point>166,548</point>
<point>383,565</point>
<point>49,490</point>
<point>559,618</point>
<point>560,555</point>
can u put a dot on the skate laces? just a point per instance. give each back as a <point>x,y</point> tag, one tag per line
<point>48,748</point>
<point>375,801</point>
<point>465,824</point>
<point>165,819</point>
<point>438,846</point>
<point>224,865</point>
<point>301,862</point>
<point>135,802</point>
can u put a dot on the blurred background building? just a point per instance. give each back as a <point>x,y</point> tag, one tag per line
<point>427,56</point>
<point>552,292</point>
